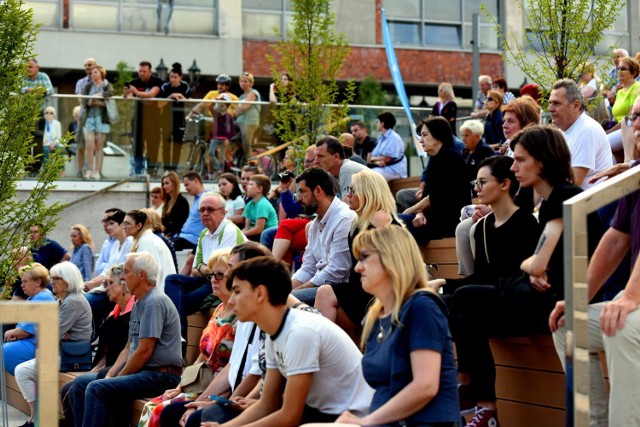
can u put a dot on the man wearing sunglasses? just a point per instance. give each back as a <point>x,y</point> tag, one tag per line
<point>188,290</point>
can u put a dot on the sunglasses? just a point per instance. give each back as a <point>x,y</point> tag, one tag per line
<point>217,275</point>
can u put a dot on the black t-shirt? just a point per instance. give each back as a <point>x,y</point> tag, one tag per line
<point>365,148</point>
<point>474,159</point>
<point>146,86</point>
<point>183,89</point>
<point>549,210</point>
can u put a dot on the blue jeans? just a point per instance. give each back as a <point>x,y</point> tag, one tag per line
<point>94,400</point>
<point>187,293</point>
<point>268,236</point>
<point>307,295</point>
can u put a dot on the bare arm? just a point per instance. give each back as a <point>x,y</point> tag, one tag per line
<point>151,93</point>
<point>425,367</point>
<point>422,205</point>
<point>257,229</point>
<point>139,357</point>
<point>606,258</point>
<point>579,174</point>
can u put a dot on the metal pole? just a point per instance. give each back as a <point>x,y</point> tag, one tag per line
<point>475,46</point>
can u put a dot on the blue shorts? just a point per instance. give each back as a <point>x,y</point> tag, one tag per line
<point>94,122</point>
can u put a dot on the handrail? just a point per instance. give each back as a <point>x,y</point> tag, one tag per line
<point>575,211</point>
<point>109,187</point>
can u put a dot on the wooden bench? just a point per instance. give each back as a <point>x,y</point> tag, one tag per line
<point>443,253</point>
<point>396,185</point>
<point>197,323</point>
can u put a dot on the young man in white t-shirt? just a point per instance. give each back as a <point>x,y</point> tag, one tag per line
<point>313,368</point>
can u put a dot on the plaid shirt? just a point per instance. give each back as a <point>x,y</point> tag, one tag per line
<point>41,80</point>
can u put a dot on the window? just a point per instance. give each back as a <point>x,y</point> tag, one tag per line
<point>261,18</point>
<point>433,23</point>
<point>139,16</point>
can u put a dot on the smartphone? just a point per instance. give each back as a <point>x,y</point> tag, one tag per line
<point>222,401</point>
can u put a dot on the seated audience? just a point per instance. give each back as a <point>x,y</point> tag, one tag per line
<point>446,105</point>
<point>387,158</point>
<point>259,214</point>
<point>74,325</point>
<point>408,355</point>
<point>82,256</point>
<point>103,258</point>
<point>112,334</point>
<point>46,251</point>
<point>446,188</point>
<point>346,303</point>
<point>476,149</point>
<point>493,134</point>
<point>137,226</point>
<point>330,157</point>
<point>150,361</point>
<point>187,238</point>
<point>156,226</point>
<point>175,209</point>
<point>232,193</point>
<point>364,144</point>
<point>20,342</point>
<point>157,200</point>
<point>312,386</point>
<point>326,258</point>
<point>189,291</point>
<point>216,342</point>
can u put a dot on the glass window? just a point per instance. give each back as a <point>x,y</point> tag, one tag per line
<point>473,6</point>
<point>402,8</point>
<point>190,21</point>
<point>262,4</point>
<point>404,33</point>
<point>94,16</point>
<point>260,25</point>
<point>442,35</point>
<point>445,11</point>
<point>487,34</point>
<point>45,13</point>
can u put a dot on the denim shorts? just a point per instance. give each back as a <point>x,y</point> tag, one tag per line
<point>94,122</point>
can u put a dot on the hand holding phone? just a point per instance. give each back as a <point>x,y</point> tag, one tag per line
<point>222,401</point>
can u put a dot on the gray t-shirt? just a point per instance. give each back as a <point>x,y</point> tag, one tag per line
<point>155,316</point>
<point>347,170</point>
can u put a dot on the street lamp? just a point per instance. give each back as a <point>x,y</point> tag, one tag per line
<point>162,71</point>
<point>194,75</point>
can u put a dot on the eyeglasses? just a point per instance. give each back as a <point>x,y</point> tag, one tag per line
<point>126,224</point>
<point>351,190</point>
<point>208,209</point>
<point>622,69</point>
<point>631,118</point>
<point>217,275</point>
<point>489,100</point>
<point>48,112</point>
<point>56,278</point>
<point>480,183</point>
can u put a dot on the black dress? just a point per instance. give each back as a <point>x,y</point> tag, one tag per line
<point>449,111</point>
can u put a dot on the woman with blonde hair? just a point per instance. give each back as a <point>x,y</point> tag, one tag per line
<point>369,196</point>
<point>408,352</point>
<point>155,223</point>
<point>175,209</point>
<point>82,245</point>
<point>446,105</point>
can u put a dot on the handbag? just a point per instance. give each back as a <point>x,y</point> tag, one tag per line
<point>75,356</point>
<point>112,111</point>
<point>195,378</point>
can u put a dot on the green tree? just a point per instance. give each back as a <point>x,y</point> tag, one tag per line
<point>313,54</point>
<point>565,32</point>
<point>18,117</point>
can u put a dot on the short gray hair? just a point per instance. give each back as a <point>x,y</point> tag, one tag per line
<point>485,78</point>
<point>70,274</point>
<point>215,195</point>
<point>572,91</point>
<point>144,261</point>
<point>474,126</point>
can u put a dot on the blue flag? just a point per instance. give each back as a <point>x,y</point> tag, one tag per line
<point>397,81</point>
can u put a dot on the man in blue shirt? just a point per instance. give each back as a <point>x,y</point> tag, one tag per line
<point>388,158</point>
<point>188,236</point>
<point>45,251</point>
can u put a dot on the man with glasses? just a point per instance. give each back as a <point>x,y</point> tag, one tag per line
<point>189,291</point>
<point>587,141</point>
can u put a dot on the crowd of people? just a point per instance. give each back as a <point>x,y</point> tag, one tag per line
<point>322,309</point>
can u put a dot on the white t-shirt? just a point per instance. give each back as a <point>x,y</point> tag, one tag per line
<point>240,343</point>
<point>309,343</point>
<point>589,147</point>
<point>233,205</point>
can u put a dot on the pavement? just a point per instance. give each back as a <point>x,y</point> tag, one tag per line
<point>16,418</point>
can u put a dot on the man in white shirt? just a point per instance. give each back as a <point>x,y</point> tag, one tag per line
<point>188,292</point>
<point>314,369</point>
<point>587,141</point>
<point>326,258</point>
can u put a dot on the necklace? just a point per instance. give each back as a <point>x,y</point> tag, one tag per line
<point>382,333</point>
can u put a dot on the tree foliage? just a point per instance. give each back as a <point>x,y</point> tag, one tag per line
<point>313,54</point>
<point>566,33</point>
<point>18,116</point>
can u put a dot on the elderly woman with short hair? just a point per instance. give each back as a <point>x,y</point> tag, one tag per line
<point>20,342</point>
<point>476,149</point>
<point>75,325</point>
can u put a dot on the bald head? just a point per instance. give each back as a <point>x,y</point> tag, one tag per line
<point>347,139</point>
